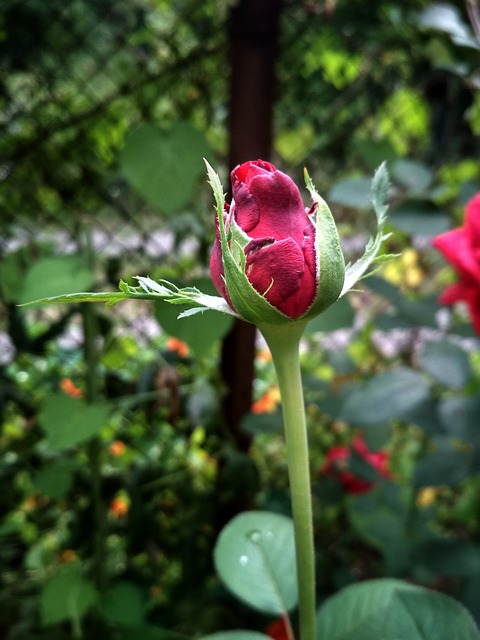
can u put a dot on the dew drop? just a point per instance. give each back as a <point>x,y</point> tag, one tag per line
<point>269,535</point>
<point>255,536</point>
<point>243,560</point>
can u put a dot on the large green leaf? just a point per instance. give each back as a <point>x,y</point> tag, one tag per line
<point>164,165</point>
<point>255,558</point>
<point>389,609</point>
<point>352,192</point>
<point>67,596</point>
<point>123,604</point>
<point>55,276</point>
<point>411,174</point>
<point>446,362</point>
<point>56,479</point>
<point>419,217</point>
<point>447,465</point>
<point>379,516</point>
<point>459,416</point>
<point>387,395</point>
<point>70,421</point>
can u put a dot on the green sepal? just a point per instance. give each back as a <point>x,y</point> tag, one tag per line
<point>329,256</point>
<point>250,305</point>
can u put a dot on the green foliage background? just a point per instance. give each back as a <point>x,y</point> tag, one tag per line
<point>106,110</point>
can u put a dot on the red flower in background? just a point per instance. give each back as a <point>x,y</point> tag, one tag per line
<point>277,629</point>
<point>461,248</point>
<point>281,252</point>
<point>337,461</point>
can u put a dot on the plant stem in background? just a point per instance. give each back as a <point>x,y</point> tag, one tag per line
<point>283,341</point>
<point>90,333</point>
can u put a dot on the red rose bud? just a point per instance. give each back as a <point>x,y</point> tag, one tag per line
<point>461,248</point>
<point>274,260</point>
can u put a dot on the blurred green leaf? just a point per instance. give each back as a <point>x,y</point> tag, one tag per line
<point>420,218</point>
<point>201,331</point>
<point>352,192</point>
<point>70,421</point>
<point>445,362</point>
<point>236,635</point>
<point>380,518</point>
<point>449,557</point>
<point>55,276</point>
<point>448,465</point>
<point>55,480</point>
<point>67,596</point>
<point>412,175</point>
<point>123,604</point>
<point>257,423</point>
<point>338,316</point>
<point>385,396</point>
<point>392,610</point>
<point>255,558</point>
<point>459,415</point>
<point>165,165</point>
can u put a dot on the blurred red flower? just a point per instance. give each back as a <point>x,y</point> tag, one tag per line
<point>461,247</point>
<point>337,465</point>
<point>277,629</point>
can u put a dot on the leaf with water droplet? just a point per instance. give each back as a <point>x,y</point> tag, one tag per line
<point>255,558</point>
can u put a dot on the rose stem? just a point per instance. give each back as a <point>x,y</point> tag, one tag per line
<point>284,341</point>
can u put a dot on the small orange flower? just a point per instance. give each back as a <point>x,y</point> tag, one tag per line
<point>264,355</point>
<point>177,345</point>
<point>268,402</point>
<point>119,507</point>
<point>71,389</point>
<point>117,448</point>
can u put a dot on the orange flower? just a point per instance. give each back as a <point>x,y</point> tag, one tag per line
<point>117,448</point>
<point>268,402</point>
<point>68,387</point>
<point>119,507</point>
<point>177,345</point>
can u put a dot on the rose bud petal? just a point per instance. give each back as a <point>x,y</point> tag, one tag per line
<point>276,244</point>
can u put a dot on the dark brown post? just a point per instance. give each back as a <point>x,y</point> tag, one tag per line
<point>253,49</point>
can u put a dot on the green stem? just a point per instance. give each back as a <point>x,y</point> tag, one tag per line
<point>283,341</point>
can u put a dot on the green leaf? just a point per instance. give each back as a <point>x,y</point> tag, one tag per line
<point>412,175</point>
<point>55,276</point>
<point>419,218</point>
<point>459,416</point>
<point>56,480</point>
<point>351,192</point>
<point>445,362</point>
<point>200,332</point>
<point>385,396</point>
<point>258,423</point>
<point>338,316</point>
<point>449,557</point>
<point>67,596</point>
<point>448,465</point>
<point>123,604</point>
<point>390,609</point>
<point>255,558</point>
<point>164,165</point>
<point>379,516</point>
<point>236,635</point>
<point>70,421</point>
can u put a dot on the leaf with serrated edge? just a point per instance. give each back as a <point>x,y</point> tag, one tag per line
<point>354,272</point>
